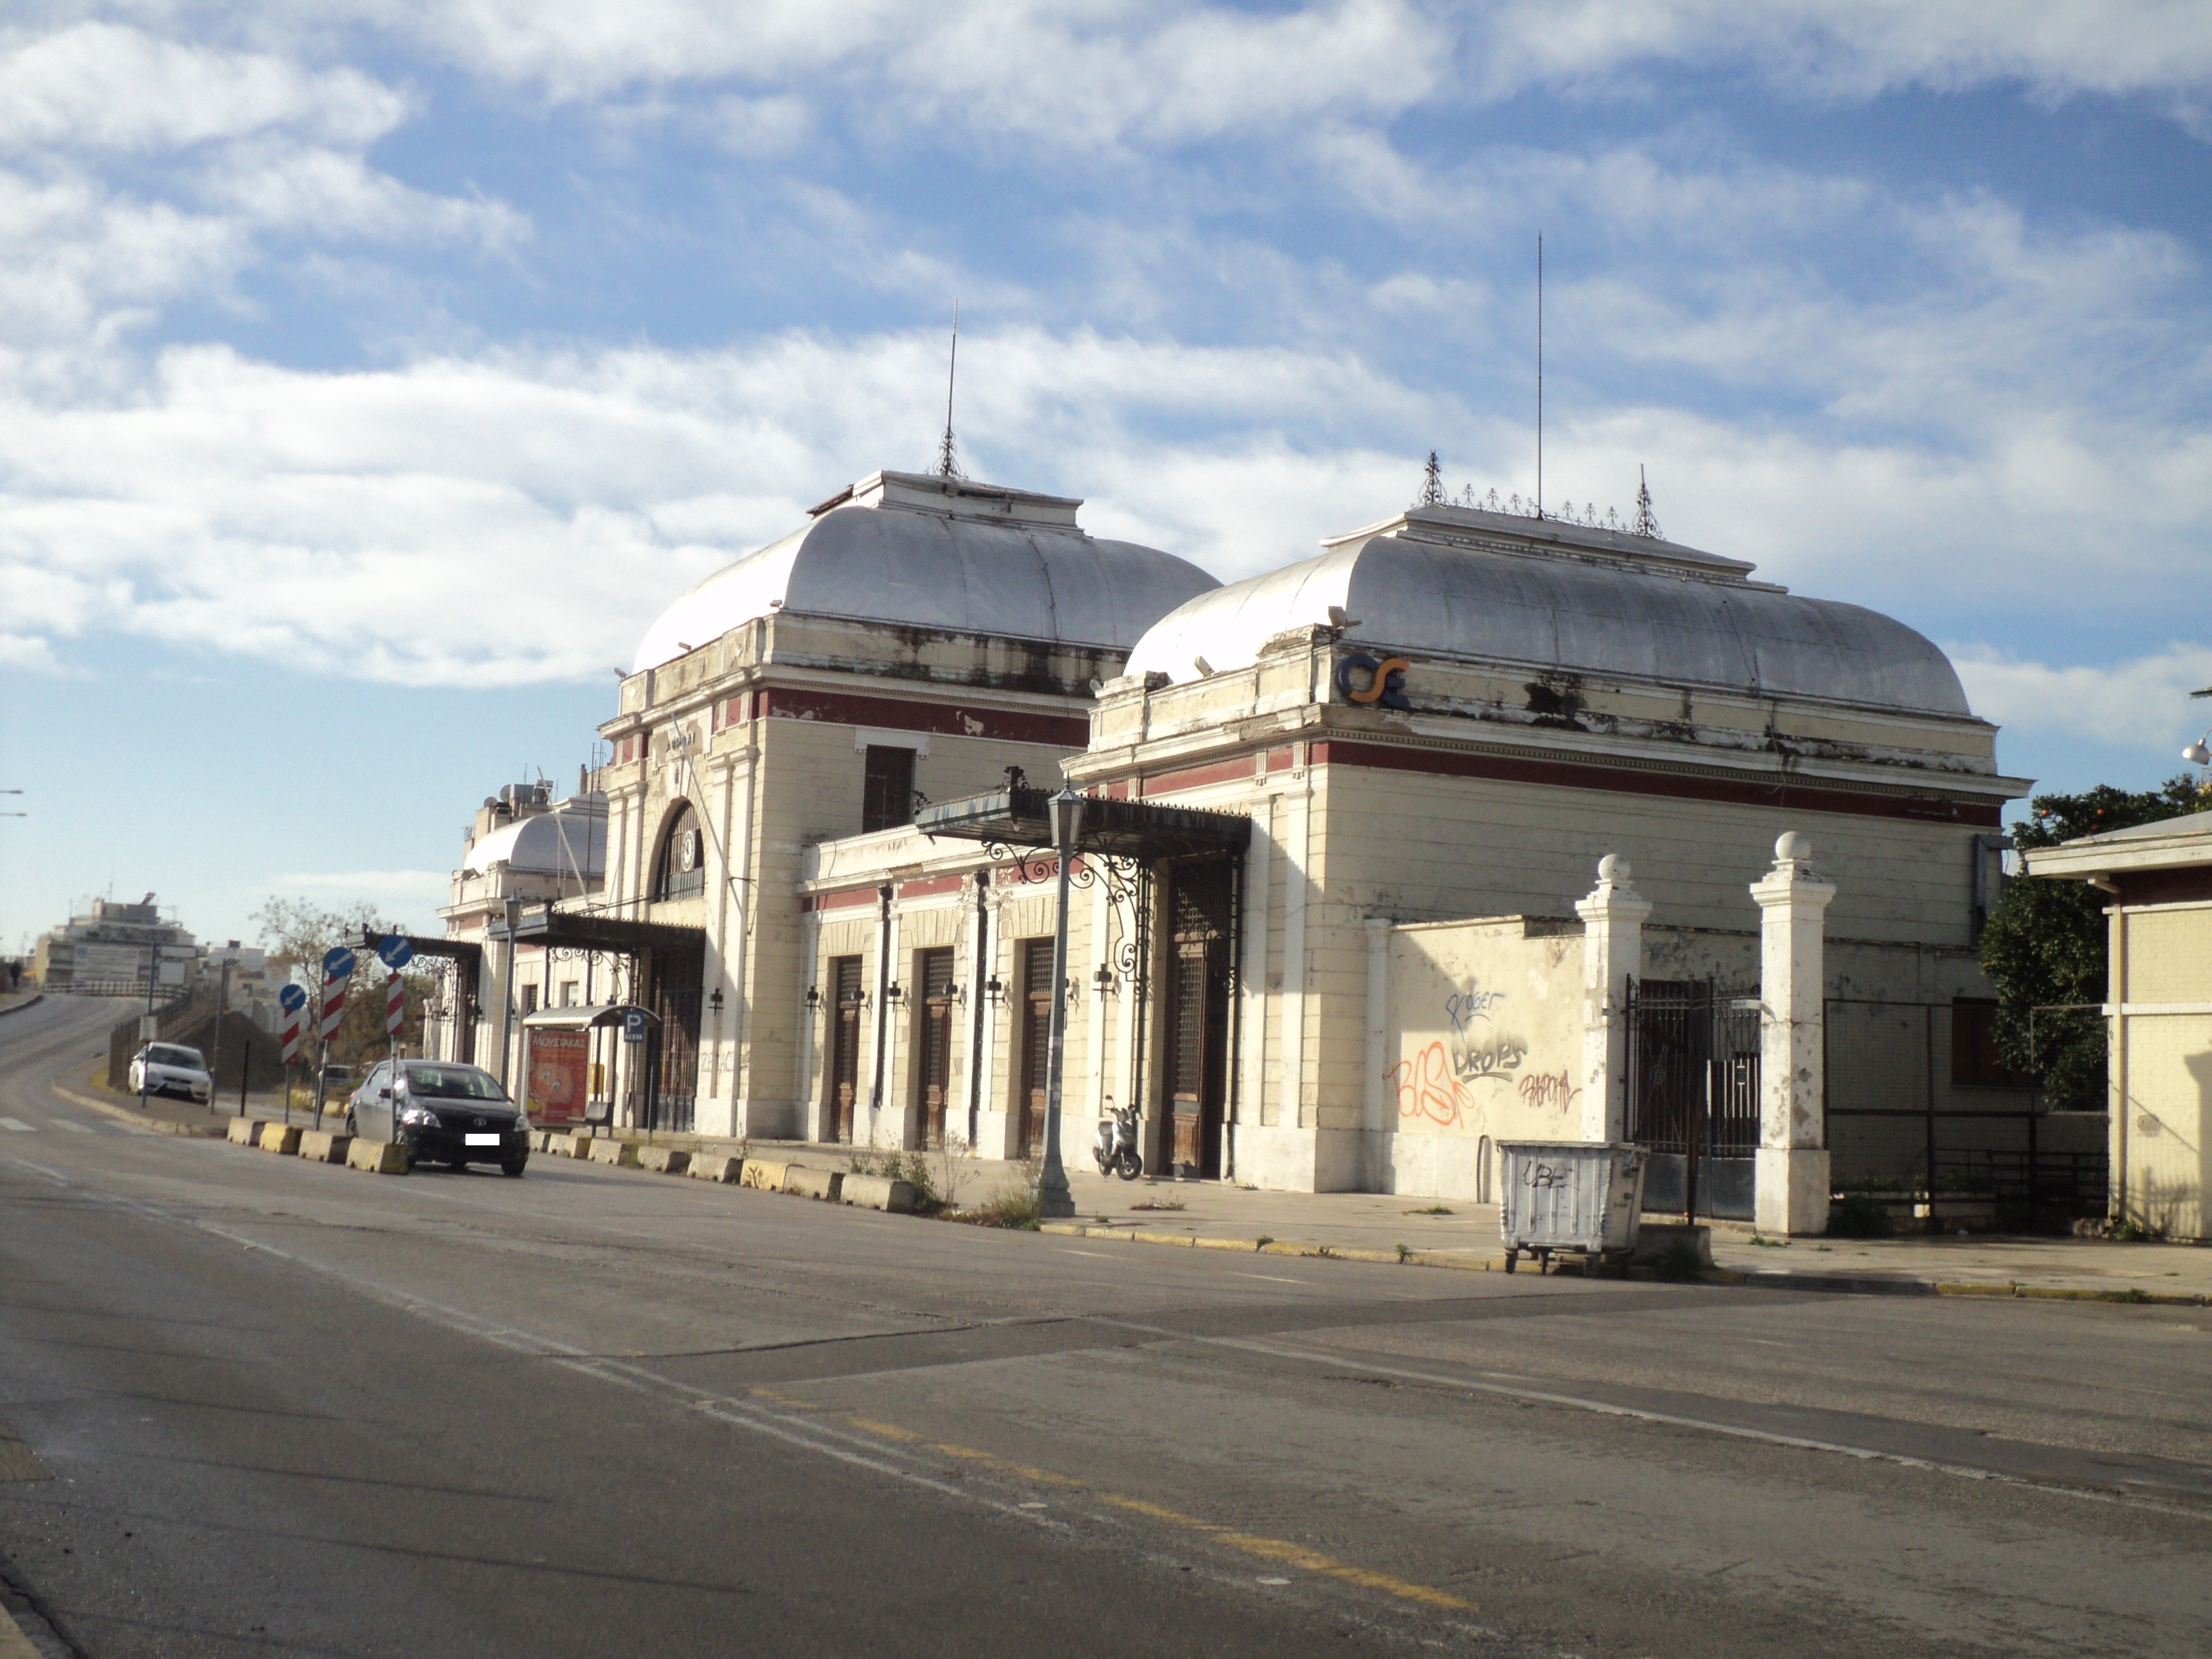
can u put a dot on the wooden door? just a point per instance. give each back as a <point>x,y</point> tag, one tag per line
<point>933,1041</point>
<point>844,1045</point>
<point>1197,1037</point>
<point>1036,1042</point>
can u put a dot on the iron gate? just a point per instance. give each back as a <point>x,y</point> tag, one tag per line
<point>1694,1095</point>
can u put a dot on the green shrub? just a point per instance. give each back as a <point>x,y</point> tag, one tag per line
<point>1858,1215</point>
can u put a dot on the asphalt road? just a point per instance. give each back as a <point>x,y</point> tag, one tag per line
<point>292,1409</point>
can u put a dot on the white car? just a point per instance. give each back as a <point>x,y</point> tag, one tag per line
<point>170,1068</point>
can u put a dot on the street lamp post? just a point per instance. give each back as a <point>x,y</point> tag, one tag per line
<point>1055,1201</point>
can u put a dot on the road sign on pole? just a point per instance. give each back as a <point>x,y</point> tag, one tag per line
<point>395,952</point>
<point>395,1004</point>
<point>292,998</point>
<point>633,1026</point>
<point>337,961</point>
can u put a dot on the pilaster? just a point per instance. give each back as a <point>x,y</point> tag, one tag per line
<point>1791,1194</point>
<point>1612,950</point>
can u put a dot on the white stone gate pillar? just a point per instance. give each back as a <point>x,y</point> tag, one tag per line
<point>1792,1169</point>
<point>1612,948</point>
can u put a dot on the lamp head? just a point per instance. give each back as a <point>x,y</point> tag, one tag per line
<point>1066,818</point>
<point>2197,753</point>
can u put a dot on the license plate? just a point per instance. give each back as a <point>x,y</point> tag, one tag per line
<point>480,1140</point>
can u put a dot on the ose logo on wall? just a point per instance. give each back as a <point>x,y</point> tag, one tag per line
<point>1385,679</point>
<point>687,850</point>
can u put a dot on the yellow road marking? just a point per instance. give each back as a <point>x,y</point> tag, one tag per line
<point>1253,1544</point>
<point>1295,1555</point>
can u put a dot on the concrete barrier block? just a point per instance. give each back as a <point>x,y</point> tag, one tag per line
<point>715,1166</point>
<point>664,1160</point>
<point>878,1193</point>
<point>377,1157</point>
<point>623,1154</point>
<point>243,1132</point>
<point>568,1146</point>
<point>765,1173</point>
<point>813,1183</point>
<point>279,1138</point>
<point>324,1147</point>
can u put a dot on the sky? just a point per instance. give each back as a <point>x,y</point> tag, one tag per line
<point>371,372</point>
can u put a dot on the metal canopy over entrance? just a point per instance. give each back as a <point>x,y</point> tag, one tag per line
<point>1019,816</point>
<point>668,965</point>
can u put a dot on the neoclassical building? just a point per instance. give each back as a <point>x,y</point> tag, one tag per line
<point>825,873</point>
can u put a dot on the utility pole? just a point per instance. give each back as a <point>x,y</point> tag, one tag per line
<point>221,1007</point>
<point>506,989</point>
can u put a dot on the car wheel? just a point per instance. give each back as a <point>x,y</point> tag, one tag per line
<point>351,1130</point>
<point>514,1167</point>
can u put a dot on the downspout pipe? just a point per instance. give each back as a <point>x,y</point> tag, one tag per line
<point>883,990</point>
<point>976,971</point>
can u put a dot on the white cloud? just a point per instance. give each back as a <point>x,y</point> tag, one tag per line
<point>100,86</point>
<point>2142,704</point>
<point>28,653</point>
<point>1855,48</point>
<point>1150,71</point>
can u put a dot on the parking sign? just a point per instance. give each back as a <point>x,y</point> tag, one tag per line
<point>633,1026</point>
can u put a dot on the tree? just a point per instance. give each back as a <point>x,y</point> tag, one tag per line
<point>2044,946</point>
<point>296,933</point>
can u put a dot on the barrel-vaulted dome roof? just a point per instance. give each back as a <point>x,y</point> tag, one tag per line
<point>940,553</point>
<point>1541,594</point>
<point>570,840</point>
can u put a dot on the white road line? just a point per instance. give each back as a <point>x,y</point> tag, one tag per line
<point>17,1124</point>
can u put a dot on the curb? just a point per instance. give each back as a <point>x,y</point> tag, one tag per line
<point>772,1175</point>
<point>30,1002</point>
<point>159,1125</point>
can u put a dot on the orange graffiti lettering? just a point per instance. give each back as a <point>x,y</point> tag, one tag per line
<point>1426,1087</point>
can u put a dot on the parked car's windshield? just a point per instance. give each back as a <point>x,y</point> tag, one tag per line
<point>162,1053</point>
<point>452,1083</point>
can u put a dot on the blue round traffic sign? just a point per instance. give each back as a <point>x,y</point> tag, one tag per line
<point>395,952</point>
<point>292,998</point>
<point>337,961</point>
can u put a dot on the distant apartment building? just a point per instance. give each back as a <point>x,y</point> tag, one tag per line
<point>111,949</point>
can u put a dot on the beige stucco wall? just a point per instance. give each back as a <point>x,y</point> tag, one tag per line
<point>2161,1066</point>
<point>1482,1041</point>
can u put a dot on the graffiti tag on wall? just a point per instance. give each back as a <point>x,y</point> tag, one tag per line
<point>1434,1084</point>
<point>1549,1088</point>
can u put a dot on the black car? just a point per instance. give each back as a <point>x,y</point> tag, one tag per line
<point>448,1114</point>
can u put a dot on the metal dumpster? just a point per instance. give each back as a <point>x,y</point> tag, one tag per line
<point>1580,1196</point>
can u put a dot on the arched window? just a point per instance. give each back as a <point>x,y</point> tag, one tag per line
<point>681,869</point>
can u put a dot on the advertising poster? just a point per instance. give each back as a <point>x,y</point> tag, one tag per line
<point>555,1076</point>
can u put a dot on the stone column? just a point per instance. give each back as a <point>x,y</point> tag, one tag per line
<point>1792,1171</point>
<point>1612,948</point>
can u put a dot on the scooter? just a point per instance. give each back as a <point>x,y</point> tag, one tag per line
<point>1115,1147</point>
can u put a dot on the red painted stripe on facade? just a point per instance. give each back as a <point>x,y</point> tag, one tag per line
<point>1566,775</point>
<point>844,900</point>
<point>941,719</point>
<point>927,886</point>
<point>1281,760</point>
<point>1195,777</point>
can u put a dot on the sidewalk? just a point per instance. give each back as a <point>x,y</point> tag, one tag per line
<point>1453,1233</point>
